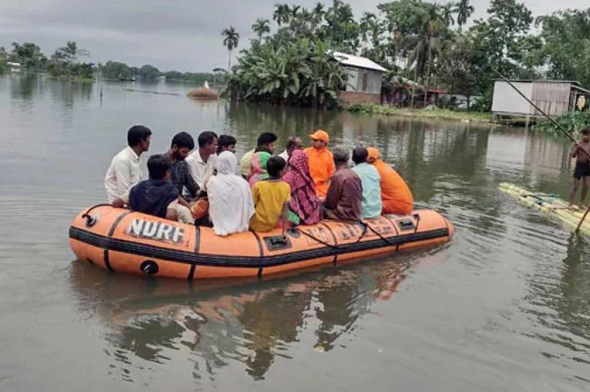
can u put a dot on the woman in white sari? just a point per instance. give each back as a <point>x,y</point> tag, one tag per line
<point>230,198</point>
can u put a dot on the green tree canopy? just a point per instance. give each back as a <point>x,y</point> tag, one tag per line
<point>28,55</point>
<point>149,72</point>
<point>565,37</point>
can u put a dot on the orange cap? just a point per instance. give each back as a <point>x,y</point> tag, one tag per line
<point>373,153</point>
<point>320,135</point>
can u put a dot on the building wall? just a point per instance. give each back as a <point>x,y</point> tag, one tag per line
<point>348,98</point>
<point>364,80</point>
<point>507,100</point>
<point>552,98</point>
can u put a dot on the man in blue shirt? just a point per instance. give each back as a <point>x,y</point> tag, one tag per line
<point>371,205</point>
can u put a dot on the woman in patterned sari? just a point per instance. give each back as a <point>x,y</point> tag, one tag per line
<point>304,205</point>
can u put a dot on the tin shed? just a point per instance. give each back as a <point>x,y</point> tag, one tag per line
<point>364,79</point>
<point>554,97</point>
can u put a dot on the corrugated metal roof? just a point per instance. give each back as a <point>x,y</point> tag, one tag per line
<point>540,81</point>
<point>357,61</point>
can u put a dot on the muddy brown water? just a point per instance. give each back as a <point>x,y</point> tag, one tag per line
<point>504,307</point>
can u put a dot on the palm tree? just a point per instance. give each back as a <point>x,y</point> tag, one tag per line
<point>318,12</point>
<point>231,39</point>
<point>447,11</point>
<point>464,10</point>
<point>424,46</point>
<point>366,25</point>
<point>295,10</point>
<point>282,14</point>
<point>261,27</point>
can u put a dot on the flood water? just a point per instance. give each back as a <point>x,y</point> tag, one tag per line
<point>504,307</point>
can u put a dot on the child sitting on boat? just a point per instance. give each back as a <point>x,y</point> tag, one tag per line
<point>271,198</point>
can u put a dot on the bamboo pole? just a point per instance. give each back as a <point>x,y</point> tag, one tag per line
<point>562,129</point>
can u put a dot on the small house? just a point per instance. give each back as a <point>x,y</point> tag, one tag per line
<point>364,79</point>
<point>554,97</point>
<point>14,67</point>
<point>403,92</point>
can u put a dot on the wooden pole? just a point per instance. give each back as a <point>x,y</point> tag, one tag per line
<point>562,129</point>
<point>582,220</point>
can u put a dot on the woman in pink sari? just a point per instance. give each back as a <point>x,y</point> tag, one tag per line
<point>304,205</point>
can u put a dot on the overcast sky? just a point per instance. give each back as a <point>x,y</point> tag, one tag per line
<point>170,34</point>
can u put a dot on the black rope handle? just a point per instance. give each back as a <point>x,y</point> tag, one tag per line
<point>317,239</point>
<point>84,215</point>
<point>378,234</point>
<point>90,220</point>
<point>417,217</point>
<point>364,225</point>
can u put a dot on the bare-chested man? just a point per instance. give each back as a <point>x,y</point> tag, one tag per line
<point>582,170</point>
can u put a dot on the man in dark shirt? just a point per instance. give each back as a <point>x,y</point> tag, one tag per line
<point>156,196</point>
<point>345,194</point>
<point>180,176</point>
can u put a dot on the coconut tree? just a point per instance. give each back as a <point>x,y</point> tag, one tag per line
<point>464,9</point>
<point>282,14</point>
<point>365,25</point>
<point>447,13</point>
<point>424,45</point>
<point>231,39</point>
<point>318,12</point>
<point>295,11</point>
<point>261,27</point>
<point>342,30</point>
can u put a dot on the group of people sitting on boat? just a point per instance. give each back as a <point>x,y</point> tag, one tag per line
<point>296,187</point>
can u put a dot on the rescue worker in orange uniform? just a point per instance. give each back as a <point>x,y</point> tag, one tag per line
<point>395,193</point>
<point>321,162</point>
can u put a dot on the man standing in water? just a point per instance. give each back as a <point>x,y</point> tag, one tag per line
<point>124,171</point>
<point>582,170</point>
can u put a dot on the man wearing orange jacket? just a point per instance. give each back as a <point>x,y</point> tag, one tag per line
<point>395,193</point>
<point>321,162</point>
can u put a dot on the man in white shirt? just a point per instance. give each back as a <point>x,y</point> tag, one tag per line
<point>293,143</point>
<point>202,161</point>
<point>124,171</point>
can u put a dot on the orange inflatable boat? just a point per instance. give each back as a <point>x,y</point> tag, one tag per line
<point>123,241</point>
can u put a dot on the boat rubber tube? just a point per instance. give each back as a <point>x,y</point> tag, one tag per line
<point>129,242</point>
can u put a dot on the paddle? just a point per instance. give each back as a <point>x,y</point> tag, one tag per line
<point>562,129</point>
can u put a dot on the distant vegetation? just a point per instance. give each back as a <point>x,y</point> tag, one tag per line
<point>444,114</point>
<point>574,122</point>
<point>430,43</point>
<point>67,63</point>
<point>433,44</point>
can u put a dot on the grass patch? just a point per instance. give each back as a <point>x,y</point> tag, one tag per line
<point>444,114</point>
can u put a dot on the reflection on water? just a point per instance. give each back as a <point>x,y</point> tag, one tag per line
<point>505,306</point>
<point>249,322</point>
